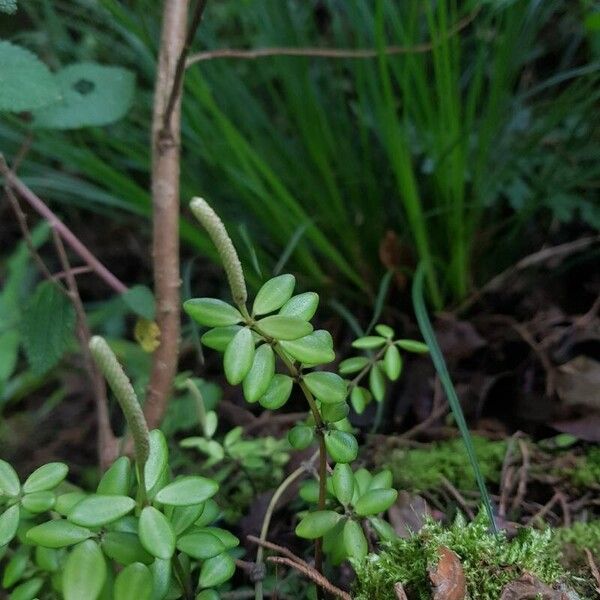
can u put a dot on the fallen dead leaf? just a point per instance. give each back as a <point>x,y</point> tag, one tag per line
<point>578,382</point>
<point>448,578</point>
<point>528,587</point>
<point>408,514</point>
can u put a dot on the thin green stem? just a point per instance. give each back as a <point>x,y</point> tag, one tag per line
<point>184,581</point>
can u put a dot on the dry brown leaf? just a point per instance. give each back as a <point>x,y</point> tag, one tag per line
<point>528,587</point>
<point>399,591</point>
<point>448,578</point>
<point>578,382</point>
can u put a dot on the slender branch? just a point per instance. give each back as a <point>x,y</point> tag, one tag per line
<point>67,235</point>
<point>107,442</point>
<point>166,135</point>
<point>352,53</point>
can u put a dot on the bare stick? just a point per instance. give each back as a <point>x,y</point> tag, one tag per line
<point>67,235</point>
<point>166,137</point>
<point>107,442</point>
<point>593,568</point>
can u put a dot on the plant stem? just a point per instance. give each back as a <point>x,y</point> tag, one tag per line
<point>184,581</point>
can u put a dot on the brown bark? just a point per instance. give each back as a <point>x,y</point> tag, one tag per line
<point>166,137</point>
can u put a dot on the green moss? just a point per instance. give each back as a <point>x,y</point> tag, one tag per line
<point>587,472</point>
<point>489,562</point>
<point>581,535</point>
<point>420,469</point>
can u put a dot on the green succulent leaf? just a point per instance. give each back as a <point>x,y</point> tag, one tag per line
<point>332,413</point>
<point>261,373</point>
<point>156,533</point>
<point>58,534</point>
<point>303,306</point>
<point>38,502</point>
<point>15,567</point>
<point>125,548</point>
<point>184,517</point>
<point>9,523</point>
<point>284,328</point>
<point>341,446</point>
<point>392,363</point>
<point>316,524</point>
<point>201,545</point>
<point>161,574</point>
<point>97,510</point>
<point>312,349</point>
<point>84,573</point>
<point>216,570</point>
<point>210,513</point>
<point>9,481</point>
<point>218,338</point>
<point>227,538</point>
<point>65,502</point>
<point>212,312</point>
<point>375,501</point>
<point>412,346</point>
<point>343,483</point>
<point>116,480</point>
<point>301,436</point>
<point>278,392</point>
<point>383,479</point>
<point>383,529</point>
<point>385,331</point>
<point>28,589</point>
<point>192,489</point>
<point>207,595</point>
<point>158,457</point>
<point>134,581</point>
<point>47,559</point>
<point>46,477</point>
<point>355,541</point>
<point>377,382</point>
<point>328,387</point>
<point>274,294</point>
<point>369,342</point>
<point>353,365</point>
<point>239,355</point>
<point>359,398</point>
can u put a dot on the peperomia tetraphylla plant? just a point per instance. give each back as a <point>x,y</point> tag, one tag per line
<point>141,535</point>
<point>275,334</point>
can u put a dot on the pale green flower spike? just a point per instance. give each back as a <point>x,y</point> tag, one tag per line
<point>217,232</point>
<point>121,386</point>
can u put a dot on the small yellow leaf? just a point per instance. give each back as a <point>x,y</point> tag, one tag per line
<point>147,335</point>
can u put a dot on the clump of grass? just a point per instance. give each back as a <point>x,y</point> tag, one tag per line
<point>489,561</point>
<point>421,469</point>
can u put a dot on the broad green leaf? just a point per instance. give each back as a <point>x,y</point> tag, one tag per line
<point>216,570</point>
<point>261,373</point>
<point>385,331</point>
<point>383,479</point>
<point>355,541</point>
<point>278,392</point>
<point>97,510</point>
<point>233,436</point>
<point>207,595</point>
<point>362,480</point>
<point>316,524</point>
<point>328,387</point>
<point>58,534</point>
<point>377,383</point>
<point>161,574</point>
<point>84,573</point>
<point>383,529</point>
<point>341,446</point>
<point>134,582</point>
<point>211,448</point>
<point>375,501</point>
<point>47,559</point>
<point>301,436</point>
<point>369,342</point>
<point>311,349</point>
<point>47,327</point>
<point>392,363</point>
<point>239,355</point>
<point>156,534</point>
<point>158,458</point>
<point>284,328</point>
<point>27,590</point>
<point>343,483</point>
<point>46,477</point>
<point>192,489</point>
<point>412,346</point>
<point>9,522</point>
<point>201,545</point>
<point>15,567</point>
<point>211,421</point>
<point>359,397</point>
<point>25,81</point>
<point>273,294</point>
<point>227,538</point>
<point>140,300</point>
<point>309,491</point>
<point>353,365</point>
<point>332,413</point>
<point>184,517</point>
<point>219,337</point>
<point>38,502</point>
<point>116,480</point>
<point>212,312</point>
<point>210,513</point>
<point>125,548</point>
<point>9,480</point>
<point>92,95</point>
<point>66,502</point>
<point>304,306</point>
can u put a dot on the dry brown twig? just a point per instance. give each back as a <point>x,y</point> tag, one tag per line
<point>593,568</point>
